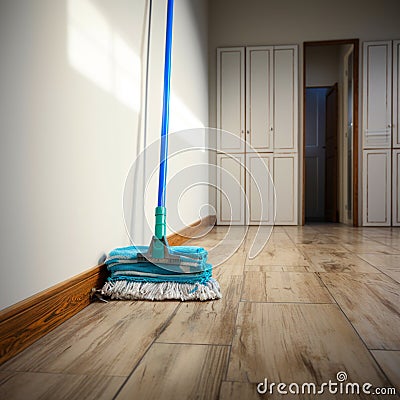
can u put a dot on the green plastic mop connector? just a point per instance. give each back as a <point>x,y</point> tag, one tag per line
<point>160,232</point>
<point>161,222</point>
<point>158,251</point>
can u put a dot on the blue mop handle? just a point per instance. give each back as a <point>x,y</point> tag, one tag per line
<point>162,183</point>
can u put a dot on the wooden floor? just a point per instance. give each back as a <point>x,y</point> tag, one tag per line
<point>317,300</point>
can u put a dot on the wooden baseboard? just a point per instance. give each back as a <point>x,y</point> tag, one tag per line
<point>27,321</point>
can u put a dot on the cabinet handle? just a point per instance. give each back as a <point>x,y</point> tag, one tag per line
<point>248,132</point>
<point>271,128</point>
<point>389,126</point>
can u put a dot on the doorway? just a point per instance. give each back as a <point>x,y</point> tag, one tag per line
<point>330,132</point>
<point>321,153</point>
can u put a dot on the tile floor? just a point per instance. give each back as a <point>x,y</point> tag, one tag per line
<point>316,300</point>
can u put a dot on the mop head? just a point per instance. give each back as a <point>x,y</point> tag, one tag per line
<point>133,277</point>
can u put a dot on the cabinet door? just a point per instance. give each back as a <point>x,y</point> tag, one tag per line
<point>231,99</point>
<point>285,125</point>
<point>377,187</point>
<point>396,188</point>
<point>259,98</point>
<point>259,189</point>
<point>377,99</point>
<point>396,94</point>
<point>285,168</point>
<point>231,189</point>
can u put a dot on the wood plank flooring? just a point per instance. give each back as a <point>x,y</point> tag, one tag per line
<point>315,301</point>
<point>300,343</point>
<point>104,339</point>
<point>389,361</point>
<point>289,287</point>
<point>371,303</point>
<point>188,372</point>
<point>33,385</point>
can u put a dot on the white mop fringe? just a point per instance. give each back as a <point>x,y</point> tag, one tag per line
<point>128,290</point>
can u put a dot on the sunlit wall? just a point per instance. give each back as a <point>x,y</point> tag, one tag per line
<point>69,115</point>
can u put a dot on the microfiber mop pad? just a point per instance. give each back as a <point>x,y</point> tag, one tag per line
<point>132,280</point>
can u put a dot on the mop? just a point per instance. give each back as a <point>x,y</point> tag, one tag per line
<point>160,271</point>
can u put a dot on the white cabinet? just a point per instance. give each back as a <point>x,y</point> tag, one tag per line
<point>271,98</point>
<point>377,187</point>
<point>396,94</point>
<point>230,99</point>
<point>285,98</point>
<point>259,189</point>
<point>285,181</point>
<point>377,95</point>
<point>259,98</point>
<point>381,134</point>
<point>396,188</point>
<point>257,102</point>
<point>230,193</point>
<point>396,135</point>
<point>255,203</point>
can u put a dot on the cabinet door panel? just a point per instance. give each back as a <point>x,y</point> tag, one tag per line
<point>259,98</point>
<point>285,181</point>
<point>396,188</point>
<point>231,99</point>
<point>376,187</point>
<point>377,86</point>
<point>259,189</point>
<point>285,98</point>
<point>231,189</point>
<point>396,94</point>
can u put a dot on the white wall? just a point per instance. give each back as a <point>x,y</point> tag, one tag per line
<point>188,110</point>
<point>259,22</point>
<point>71,73</point>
